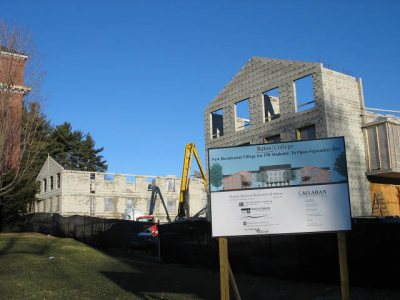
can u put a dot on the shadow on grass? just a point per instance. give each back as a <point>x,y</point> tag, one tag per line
<point>8,247</point>
<point>151,278</point>
<point>156,283</point>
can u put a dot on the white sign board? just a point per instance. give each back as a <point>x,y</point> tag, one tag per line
<point>293,187</point>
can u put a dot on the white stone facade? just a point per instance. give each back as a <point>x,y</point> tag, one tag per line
<point>337,109</point>
<point>106,194</point>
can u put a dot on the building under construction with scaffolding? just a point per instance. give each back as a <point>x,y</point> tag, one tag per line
<point>274,100</point>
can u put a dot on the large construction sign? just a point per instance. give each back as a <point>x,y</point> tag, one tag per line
<point>291,187</point>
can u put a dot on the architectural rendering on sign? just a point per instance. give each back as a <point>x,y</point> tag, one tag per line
<point>285,164</point>
<point>292,100</point>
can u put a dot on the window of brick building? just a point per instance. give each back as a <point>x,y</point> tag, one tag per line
<point>217,123</point>
<point>271,104</point>
<point>304,93</point>
<point>306,133</point>
<point>242,115</point>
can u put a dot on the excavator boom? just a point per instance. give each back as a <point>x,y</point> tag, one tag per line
<point>190,151</point>
<point>155,190</point>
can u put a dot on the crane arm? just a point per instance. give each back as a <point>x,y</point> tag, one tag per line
<point>190,150</point>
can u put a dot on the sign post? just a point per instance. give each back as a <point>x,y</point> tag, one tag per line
<point>224,268</point>
<point>344,273</point>
<point>282,188</point>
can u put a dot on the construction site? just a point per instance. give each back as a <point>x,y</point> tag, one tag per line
<point>169,221</point>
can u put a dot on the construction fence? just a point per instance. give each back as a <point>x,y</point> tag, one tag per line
<point>373,246</point>
<point>101,232</point>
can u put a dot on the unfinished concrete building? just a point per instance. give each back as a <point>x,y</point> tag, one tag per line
<point>274,100</point>
<point>106,194</point>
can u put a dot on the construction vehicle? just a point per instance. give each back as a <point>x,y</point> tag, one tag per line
<point>137,215</point>
<point>147,240</point>
<point>155,191</point>
<point>183,208</point>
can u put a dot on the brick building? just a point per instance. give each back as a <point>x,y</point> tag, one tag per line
<point>291,100</point>
<point>12,90</point>
<point>239,180</point>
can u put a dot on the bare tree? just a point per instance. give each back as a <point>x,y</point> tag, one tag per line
<point>19,106</point>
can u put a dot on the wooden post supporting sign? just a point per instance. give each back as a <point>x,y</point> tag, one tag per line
<point>224,268</point>
<point>344,272</point>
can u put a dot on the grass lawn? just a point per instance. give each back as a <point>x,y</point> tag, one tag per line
<point>36,266</point>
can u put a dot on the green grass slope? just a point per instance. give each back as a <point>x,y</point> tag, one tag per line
<point>35,266</point>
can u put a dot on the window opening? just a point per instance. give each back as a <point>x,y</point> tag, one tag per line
<point>272,139</point>
<point>150,182</point>
<point>217,123</point>
<point>92,203</point>
<point>58,180</point>
<point>242,111</point>
<point>130,179</point>
<point>108,177</point>
<point>304,93</point>
<point>171,205</point>
<point>306,133</point>
<point>171,185</point>
<point>108,204</point>
<point>51,182</point>
<point>92,176</point>
<point>271,105</point>
<point>58,203</point>
<point>45,185</point>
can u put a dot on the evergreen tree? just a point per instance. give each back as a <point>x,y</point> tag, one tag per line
<point>74,150</point>
<point>216,175</point>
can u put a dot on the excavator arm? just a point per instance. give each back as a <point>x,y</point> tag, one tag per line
<point>190,151</point>
<point>155,190</point>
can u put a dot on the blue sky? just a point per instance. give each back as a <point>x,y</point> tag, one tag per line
<point>138,75</point>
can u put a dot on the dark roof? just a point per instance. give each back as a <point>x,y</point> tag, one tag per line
<point>275,167</point>
<point>8,50</point>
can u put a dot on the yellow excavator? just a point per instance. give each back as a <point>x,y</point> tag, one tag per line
<point>183,208</point>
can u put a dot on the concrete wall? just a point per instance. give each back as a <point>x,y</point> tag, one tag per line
<point>86,193</point>
<point>343,117</point>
